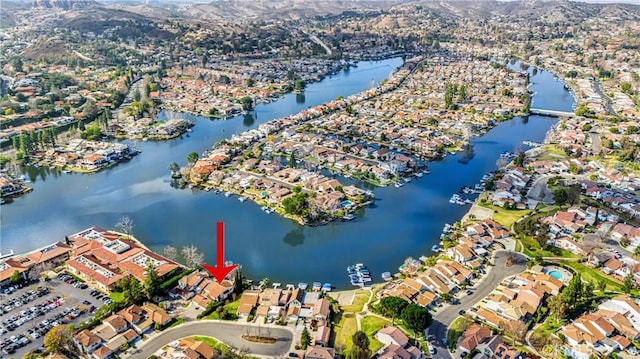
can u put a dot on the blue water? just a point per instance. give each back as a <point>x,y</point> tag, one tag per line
<point>403,221</point>
<point>555,274</point>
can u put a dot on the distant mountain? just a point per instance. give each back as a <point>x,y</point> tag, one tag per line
<point>524,10</point>
<point>62,4</point>
<point>278,9</point>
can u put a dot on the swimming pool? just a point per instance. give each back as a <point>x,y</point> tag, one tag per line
<point>555,274</point>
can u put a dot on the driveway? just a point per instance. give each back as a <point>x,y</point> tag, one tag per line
<point>228,333</point>
<point>495,275</point>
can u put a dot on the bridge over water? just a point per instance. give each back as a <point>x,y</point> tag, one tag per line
<point>550,113</point>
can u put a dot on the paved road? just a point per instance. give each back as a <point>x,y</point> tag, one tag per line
<point>605,98</point>
<point>495,275</point>
<point>595,142</point>
<point>228,333</point>
<point>139,84</point>
<point>539,191</point>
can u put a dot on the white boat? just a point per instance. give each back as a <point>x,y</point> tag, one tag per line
<point>228,194</point>
<point>426,171</point>
<point>435,248</point>
<point>242,199</point>
<point>398,184</point>
<point>303,285</point>
<point>387,276</point>
<point>407,179</point>
<point>418,174</point>
<point>348,216</point>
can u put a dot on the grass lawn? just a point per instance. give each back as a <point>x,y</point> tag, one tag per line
<point>506,217</point>
<point>117,296</point>
<point>212,342</point>
<point>532,248</point>
<point>542,334</point>
<point>455,331</point>
<point>594,275</point>
<point>345,330</point>
<point>360,298</point>
<point>370,325</point>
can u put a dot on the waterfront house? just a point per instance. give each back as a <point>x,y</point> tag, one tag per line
<point>51,255</point>
<point>10,266</point>
<point>461,253</point>
<point>321,310</point>
<point>248,301</point>
<point>9,187</point>
<point>102,258</point>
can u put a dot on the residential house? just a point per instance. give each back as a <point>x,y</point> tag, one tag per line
<point>322,310</point>
<point>157,314</point>
<point>87,341</point>
<point>318,352</point>
<point>473,336</point>
<point>322,336</point>
<point>248,301</point>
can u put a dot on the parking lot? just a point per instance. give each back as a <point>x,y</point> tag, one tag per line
<point>28,313</point>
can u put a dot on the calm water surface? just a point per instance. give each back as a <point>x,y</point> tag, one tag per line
<point>404,221</point>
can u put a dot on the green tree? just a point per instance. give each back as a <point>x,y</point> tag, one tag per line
<point>173,167</point>
<point>92,132</point>
<point>299,85</point>
<point>574,291</point>
<point>136,95</point>
<point>448,97</point>
<point>247,103</point>
<point>151,280</point>
<point>131,289</point>
<point>392,307</point>
<point>237,282</point>
<point>15,277</point>
<point>558,306</point>
<point>292,160</point>
<point>192,157</point>
<point>4,160</point>
<point>446,297</point>
<point>360,348</point>
<point>518,160</point>
<point>627,284</point>
<point>462,93</point>
<point>625,87</point>
<point>560,196</point>
<point>58,339</point>
<point>249,82</point>
<point>305,338</point>
<point>417,318</point>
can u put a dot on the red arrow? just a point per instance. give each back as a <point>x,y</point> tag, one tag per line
<point>220,272</point>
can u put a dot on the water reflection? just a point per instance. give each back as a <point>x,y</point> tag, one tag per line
<point>295,237</point>
<point>466,155</point>
<point>249,119</point>
<point>300,98</point>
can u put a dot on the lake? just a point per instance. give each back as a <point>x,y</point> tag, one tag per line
<point>403,221</point>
